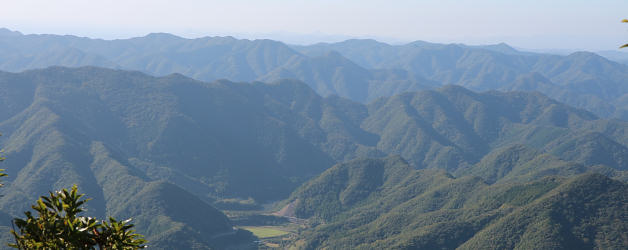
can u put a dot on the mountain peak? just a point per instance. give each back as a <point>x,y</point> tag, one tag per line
<point>585,55</point>
<point>161,36</point>
<point>503,48</point>
<point>420,43</point>
<point>8,32</point>
<point>363,42</point>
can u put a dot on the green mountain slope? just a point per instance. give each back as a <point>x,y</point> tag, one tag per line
<point>582,213</point>
<point>332,74</point>
<point>169,126</point>
<point>519,163</point>
<point>169,216</point>
<point>192,133</point>
<point>453,126</point>
<point>590,149</point>
<point>427,209</point>
<point>159,141</point>
<point>47,153</point>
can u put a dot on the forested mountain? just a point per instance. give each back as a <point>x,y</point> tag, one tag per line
<point>332,74</point>
<point>361,70</point>
<point>207,58</point>
<point>189,132</point>
<point>581,79</point>
<point>385,203</point>
<point>454,127</point>
<point>61,136</point>
<point>163,149</point>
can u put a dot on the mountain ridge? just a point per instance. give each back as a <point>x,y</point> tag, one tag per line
<point>427,207</point>
<point>370,69</point>
<point>137,143</point>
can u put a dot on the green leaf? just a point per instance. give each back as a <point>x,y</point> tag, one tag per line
<point>57,226</point>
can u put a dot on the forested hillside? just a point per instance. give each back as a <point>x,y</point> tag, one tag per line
<point>385,203</point>
<point>307,125</point>
<point>189,132</point>
<point>581,79</point>
<point>164,149</point>
<point>361,70</point>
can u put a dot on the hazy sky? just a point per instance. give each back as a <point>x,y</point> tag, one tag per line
<point>542,24</point>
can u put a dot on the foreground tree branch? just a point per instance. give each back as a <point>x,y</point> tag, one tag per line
<point>58,225</point>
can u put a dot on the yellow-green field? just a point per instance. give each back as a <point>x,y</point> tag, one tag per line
<point>265,232</point>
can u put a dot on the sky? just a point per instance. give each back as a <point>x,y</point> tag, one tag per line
<point>532,24</point>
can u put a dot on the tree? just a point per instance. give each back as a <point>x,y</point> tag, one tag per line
<point>625,45</point>
<point>58,225</point>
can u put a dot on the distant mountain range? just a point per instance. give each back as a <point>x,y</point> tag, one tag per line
<point>376,146</point>
<point>361,70</point>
